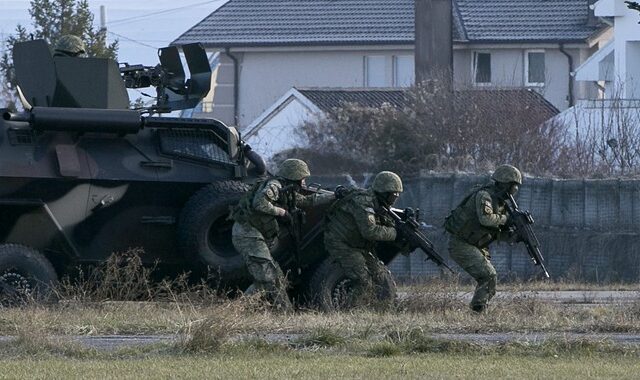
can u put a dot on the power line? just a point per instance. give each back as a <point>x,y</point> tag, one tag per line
<point>135,18</point>
<point>132,40</point>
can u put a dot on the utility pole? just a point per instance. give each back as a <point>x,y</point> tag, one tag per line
<point>103,19</point>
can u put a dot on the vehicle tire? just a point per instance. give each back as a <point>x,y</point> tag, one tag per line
<point>25,275</point>
<point>204,233</point>
<point>329,287</point>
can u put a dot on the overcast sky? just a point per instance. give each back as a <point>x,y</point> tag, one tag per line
<point>140,26</point>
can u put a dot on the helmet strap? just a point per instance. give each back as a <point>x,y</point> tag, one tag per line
<point>388,198</point>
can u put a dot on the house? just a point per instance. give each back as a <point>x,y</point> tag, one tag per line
<point>277,129</point>
<point>614,111</point>
<point>269,46</point>
<point>615,65</point>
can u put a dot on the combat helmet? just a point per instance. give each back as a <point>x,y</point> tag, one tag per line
<point>387,182</point>
<point>293,169</point>
<point>70,45</point>
<point>507,174</point>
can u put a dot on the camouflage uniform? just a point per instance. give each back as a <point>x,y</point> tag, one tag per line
<point>69,46</point>
<point>478,221</point>
<point>256,230</point>
<point>353,226</point>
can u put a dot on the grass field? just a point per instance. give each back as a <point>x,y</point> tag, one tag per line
<point>244,362</point>
<point>355,344</point>
<point>225,338</point>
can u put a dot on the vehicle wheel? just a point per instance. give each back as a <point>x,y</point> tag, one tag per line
<point>25,275</point>
<point>204,233</point>
<point>330,289</point>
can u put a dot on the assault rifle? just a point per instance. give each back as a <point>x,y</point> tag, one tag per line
<point>408,227</point>
<point>522,222</point>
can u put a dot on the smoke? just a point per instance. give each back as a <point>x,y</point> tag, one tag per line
<point>350,180</point>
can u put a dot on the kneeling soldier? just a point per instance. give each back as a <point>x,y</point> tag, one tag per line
<point>256,226</point>
<point>354,223</point>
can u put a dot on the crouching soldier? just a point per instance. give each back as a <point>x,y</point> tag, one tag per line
<point>256,226</point>
<point>480,219</point>
<point>354,223</point>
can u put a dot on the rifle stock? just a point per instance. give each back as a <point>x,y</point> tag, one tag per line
<point>522,221</point>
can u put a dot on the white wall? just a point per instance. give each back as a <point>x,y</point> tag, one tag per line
<point>266,76</point>
<point>632,70</point>
<point>626,45</point>
<point>508,70</point>
<point>282,131</point>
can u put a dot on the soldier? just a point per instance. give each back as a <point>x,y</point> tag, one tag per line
<point>354,224</point>
<point>480,219</point>
<point>256,226</point>
<point>70,46</point>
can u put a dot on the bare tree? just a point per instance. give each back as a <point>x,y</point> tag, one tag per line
<point>440,129</point>
<point>606,137</point>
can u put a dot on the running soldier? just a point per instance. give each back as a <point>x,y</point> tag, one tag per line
<point>480,219</point>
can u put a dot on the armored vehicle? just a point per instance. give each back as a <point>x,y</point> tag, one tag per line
<point>83,176</point>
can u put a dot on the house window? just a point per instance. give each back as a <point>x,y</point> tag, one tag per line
<point>481,68</point>
<point>404,71</point>
<point>534,68</point>
<point>375,71</point>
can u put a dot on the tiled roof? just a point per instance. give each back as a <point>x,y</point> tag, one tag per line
<point>350,22</point>
<point>329,98</point>
<point>525,20</point>
<point>499,102</point>
<point>287,22</point>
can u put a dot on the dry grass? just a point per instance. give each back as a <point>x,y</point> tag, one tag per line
<point>209,323</point>
<point>124,277</point>
<point>240,335</point>
<point>435,308</point>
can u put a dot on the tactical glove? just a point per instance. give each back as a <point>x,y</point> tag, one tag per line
<point>510,235</point>
<point>508,223</point>
<point>285,218</point>
<point>340,192</point>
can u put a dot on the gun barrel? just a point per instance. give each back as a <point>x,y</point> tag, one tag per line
<point>79,119</point>
<point>546,274</point>
<point>23,116</point>
<point>523,222</point>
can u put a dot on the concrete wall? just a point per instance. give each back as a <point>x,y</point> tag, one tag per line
<point>588,229</point>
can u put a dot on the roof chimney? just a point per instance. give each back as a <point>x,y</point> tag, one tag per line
<point>433,40</point>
